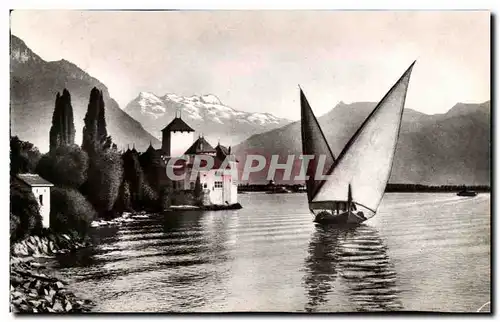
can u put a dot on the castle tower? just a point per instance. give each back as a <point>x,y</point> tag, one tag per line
<point>177,137</point>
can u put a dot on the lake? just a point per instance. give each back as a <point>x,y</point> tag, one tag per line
<point>421,252</point>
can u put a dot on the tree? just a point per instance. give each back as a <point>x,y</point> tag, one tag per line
<point>105,175</point>
<point>70,211</point>
<point>65,166</point>
<point>151,167</point>
<point>62,131</point>
<point>122,202</point>
<point>24,156</point>
<point>134,176</point>
<point>95,135</point>
<point>25,209</point>
<point>166,192</point>
<point>89,141</point>
<point>150,198</point>
<point>104,140</point>
<point>197,189</point>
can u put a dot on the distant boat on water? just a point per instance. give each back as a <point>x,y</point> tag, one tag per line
<point>467,193</point>
<point>355,181</point>
<point>278,189</point>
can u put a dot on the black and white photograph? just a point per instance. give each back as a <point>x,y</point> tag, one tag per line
<point>250,161</point>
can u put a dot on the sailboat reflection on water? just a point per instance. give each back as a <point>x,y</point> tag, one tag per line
<point>348,269</point>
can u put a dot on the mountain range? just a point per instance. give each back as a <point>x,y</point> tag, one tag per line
<point>34,84</point>
<point>206,114</point>
<point>448,148</point>
<point>439,149</point>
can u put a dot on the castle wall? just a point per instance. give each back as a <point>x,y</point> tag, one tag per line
<point>180,142</point>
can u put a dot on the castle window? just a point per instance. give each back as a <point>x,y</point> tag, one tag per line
<point>191,184</point>
<point>204,185</point>
<point>218,184</point>
<point>40,197</point>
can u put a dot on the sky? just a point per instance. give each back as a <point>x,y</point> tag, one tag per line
<point>255,60</point>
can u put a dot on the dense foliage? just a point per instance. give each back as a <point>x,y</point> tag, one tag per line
<point>94,181</point>
<point>62,131</point>
<point>70,211</point>
<point>95,135</point>
<point>103,184</point>
<point>24,211</point>
<point>65,166</point>
<point>134,176</point>
<point>24,156</point>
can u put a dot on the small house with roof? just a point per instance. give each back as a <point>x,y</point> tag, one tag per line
<point>219,184</point>
<point>41,189</point>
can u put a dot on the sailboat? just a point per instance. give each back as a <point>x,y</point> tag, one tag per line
<point>353,186</point>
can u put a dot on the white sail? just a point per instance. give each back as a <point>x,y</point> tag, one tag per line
<point>366,161</point>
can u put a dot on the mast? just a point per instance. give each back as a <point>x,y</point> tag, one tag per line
<point>349,198</point>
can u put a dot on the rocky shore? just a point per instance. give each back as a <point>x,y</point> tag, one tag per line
<point>46,245</point>
<point>32,289</point>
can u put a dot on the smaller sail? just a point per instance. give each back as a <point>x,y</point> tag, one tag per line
<point>313,143</point>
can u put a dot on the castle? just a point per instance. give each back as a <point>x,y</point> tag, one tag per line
<point>218,183</point>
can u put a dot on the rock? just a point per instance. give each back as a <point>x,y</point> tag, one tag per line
<point>66,237</point>
<point>45,247</point>
<point>68,306</point>
<point>25,308</point>
<point>16,294</point>
<point>51,246</point>
<point>14,279</point>
<point>32,294</point>
<point>58,306</point>
<point>37,265</point>
<point>59,285</point>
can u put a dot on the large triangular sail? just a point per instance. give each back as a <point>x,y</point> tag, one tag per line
<point>365,163</point>
<point>314,144</point>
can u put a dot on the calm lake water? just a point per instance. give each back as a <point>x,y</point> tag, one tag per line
<point>424,252</point>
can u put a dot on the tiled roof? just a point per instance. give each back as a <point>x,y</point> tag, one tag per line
<point>223,152</point>
<point>34,180</point>
<point>179,125</point>
<point>200,146</point>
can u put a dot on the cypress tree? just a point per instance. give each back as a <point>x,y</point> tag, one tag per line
<point>90,141</point>
<point>102,133</point>
<point>55,129</point>
<point>198,191</point>
<point>68,123</point>
<point>62,131</point>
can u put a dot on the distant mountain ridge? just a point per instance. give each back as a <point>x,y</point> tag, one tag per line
<point>440,149</point>
<point>206,114</point>
<point>34,84</point>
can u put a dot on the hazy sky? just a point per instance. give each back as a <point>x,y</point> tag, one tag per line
<point>253,61</point>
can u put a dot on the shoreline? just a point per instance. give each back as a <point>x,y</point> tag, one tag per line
<point>33,289</point>
<point>203,208</point>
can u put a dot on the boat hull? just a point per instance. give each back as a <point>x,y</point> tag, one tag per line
<point>345,218</point>
<point>467,194</point>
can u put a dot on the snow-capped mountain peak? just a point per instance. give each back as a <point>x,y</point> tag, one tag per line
<point>211,99</point>
<point>205,112</point>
